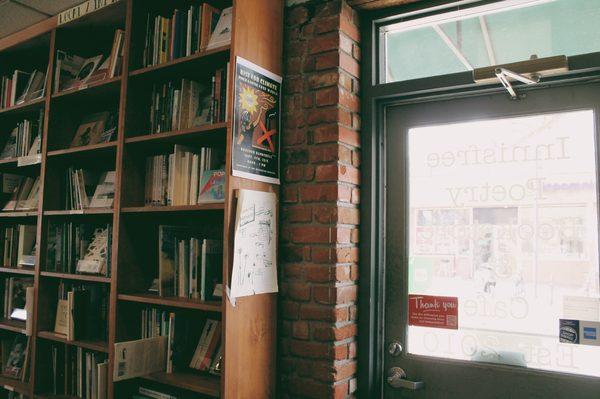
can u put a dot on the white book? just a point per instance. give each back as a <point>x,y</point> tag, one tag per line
<point>222,33</point>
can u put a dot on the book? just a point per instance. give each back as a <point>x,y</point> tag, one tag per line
<point>221,35</point>
<point>61,322</point>
<point>104,195</point>
<point>15,363</point>
<point>95,259</point>
<point>24,139</point>
<point>67,70</point>
<point>15,297</point>
<point>82,311</point>
<point>212,187</point>
<point>76,372</point>
<point>86,68</point>
<point>211,269</point>
<point>94,129</point>
<point>79,248</point>
<point>154,394</point>
<point>26,247</point>
<point>207,347</point>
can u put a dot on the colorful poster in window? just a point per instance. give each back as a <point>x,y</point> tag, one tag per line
<point>433,311</point>
<point>256,123</point>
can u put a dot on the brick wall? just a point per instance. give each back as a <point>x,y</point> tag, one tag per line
<point>320,195</point>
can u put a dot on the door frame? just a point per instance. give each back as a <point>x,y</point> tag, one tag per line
<point>375,99</point>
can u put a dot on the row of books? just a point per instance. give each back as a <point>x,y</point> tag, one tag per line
<point>79,248</point>
<point>188,176</point>
<point>185,32</point>
<point>88,189</point>
<point>189,266</point>
<point>18,294</point>
<point>151,393</point>
<point>19,245</point>
<point>78,372</point>
<point>21,87</point>
<point>81,311</point>
<point>24,192</point>
<point>206,351</point>
<point>188,103</point>
<point>73,71</point>
<point>25,139</point>
<point>15,356</point>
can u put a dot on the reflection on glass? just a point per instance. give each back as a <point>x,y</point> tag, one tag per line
<point>503,215</point>
<point>497,33</point>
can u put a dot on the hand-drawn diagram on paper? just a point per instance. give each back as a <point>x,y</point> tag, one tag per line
<point>254,257</point>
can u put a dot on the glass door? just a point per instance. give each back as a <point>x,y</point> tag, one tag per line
<point>492,273</point>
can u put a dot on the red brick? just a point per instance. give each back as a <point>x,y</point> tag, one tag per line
<point>297,16</point>
<point>319,192</point>
<point>349,28</point>
<point>323,313</point>
<point>299,213</point>
<point>310,234</point>
<point>322,43</point>
<point>329,24</point>
<point>323,79</point>
<point>298,291</point>
<point>333,333</point>
<point>290,309</point>
<point>347,215</point>
<point>327,96</point>
<point>300,330</point>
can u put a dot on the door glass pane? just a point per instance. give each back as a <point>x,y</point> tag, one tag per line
<point>503,216</point>
<point>498,33</point>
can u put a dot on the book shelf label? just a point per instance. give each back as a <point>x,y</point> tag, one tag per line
<point>82,9</point>
<point>254,251</point>
<point>256,123</point>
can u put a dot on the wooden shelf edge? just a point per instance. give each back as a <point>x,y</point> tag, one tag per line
<point>11,384</point>
<point>84,89</point>
<point>178,208</point>
<point>89,211</point>
<point>80,277</point>
<point>178,133</point>
<point>12,325</point>
<point>85,148</point>
<point>18,214</point>
<point>199,383</point>
<point>98,346</point>
<point>16,270</point>
<point>175,302</point>
<point>32,103</point>
<point>182,60</point>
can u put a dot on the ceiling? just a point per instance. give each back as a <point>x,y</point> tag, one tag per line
<point>19,14</point>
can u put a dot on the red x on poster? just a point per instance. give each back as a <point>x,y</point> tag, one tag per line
<point>433,311</point>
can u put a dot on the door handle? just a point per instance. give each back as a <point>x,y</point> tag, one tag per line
<point>397,379</point>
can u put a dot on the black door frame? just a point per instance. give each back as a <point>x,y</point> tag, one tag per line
<point>375,98</point>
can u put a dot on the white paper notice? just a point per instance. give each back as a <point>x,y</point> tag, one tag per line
<point>581,308</point>
<point>254,250</point>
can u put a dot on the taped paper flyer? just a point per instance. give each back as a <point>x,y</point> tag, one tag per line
<point>254,251</point>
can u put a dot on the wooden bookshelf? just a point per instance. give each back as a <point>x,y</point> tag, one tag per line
<point>249,328</point>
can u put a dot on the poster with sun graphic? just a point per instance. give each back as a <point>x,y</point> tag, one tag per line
<point>256,123</point>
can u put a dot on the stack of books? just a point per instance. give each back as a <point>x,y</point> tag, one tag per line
<point>25,139</point>
<point>188,176</point>
<point>79,248</point>
<point>189,266</point>
<point>81,312</point>
<point>188,103</point>
<point>75,72</point>
<point>86,189</point>
<point>207,353</point>
<point>19,245</point>
<point>77,372</point>
<point>183,33</point>
<point>21,87</point>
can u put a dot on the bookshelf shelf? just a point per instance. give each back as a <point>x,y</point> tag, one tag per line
<point>14,270</point>
<point>11,384</point>
<point>23,108</point>
<point>125,103</point>
<point>78,277</point>
<point>174,302</point>
<point>193,61</point>
<point>98,346</point>
<point>86,150</point>
<point>12,325</point>
<point>200,134</point>
<point>18,214</point>
<point>174,209</point>
<point>199,383</point>
<point>110,85</point>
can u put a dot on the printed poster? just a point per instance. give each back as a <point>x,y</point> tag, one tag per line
<point>256,123</point>
<point>433,311</point>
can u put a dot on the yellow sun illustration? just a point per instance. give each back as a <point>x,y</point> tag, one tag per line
<point>248,100</point>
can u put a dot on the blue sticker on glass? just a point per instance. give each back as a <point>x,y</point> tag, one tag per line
<point>590,333</point>
<point>569,331</point>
